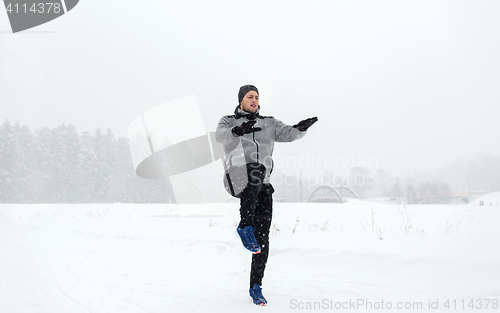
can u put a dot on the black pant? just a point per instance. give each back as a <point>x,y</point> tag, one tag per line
<point>256,209</point>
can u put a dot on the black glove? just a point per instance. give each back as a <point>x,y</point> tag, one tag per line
<point>246,128</point>
<point>305,124</point>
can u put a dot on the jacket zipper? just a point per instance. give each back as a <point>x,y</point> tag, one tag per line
<point>257,145</point>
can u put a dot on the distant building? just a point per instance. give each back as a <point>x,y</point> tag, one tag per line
<point>331,194</point>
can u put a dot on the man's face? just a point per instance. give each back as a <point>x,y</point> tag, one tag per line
<point>250,102</point>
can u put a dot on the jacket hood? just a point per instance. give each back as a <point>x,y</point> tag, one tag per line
<point>240,113</point>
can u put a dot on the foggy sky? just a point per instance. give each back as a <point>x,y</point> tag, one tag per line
<point>410,84</point>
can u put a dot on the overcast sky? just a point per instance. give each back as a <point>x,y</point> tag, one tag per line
<point>412,84</point>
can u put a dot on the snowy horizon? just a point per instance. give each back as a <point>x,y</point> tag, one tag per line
<point>61,165</point>
<point>412,83</point>
<point>390,201</point>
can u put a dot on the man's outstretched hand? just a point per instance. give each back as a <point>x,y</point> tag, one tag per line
<point>246,128</point>
<point>305,124</point>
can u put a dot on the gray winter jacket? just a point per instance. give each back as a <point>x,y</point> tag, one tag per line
<point>256,147</point>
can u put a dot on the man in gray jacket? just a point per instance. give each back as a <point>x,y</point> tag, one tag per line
<point>248,139</point>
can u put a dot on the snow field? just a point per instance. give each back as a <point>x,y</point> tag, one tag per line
<point>147,258</point>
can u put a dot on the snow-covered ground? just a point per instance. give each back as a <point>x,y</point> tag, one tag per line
<point>357,256</point>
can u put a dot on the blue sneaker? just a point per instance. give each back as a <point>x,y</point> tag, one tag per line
<point>248,239</point>
<point>257,297</point>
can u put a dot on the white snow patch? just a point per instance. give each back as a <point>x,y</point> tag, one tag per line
<point>147,258</point>
<point>490,199</point>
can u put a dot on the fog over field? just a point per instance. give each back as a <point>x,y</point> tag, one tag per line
<point>390,201</point>
<point>412,84</point>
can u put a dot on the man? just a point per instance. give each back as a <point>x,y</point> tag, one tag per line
<point>248,140</point>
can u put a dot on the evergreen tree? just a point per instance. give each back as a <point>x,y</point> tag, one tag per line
<point>59,165</point>
<point>7,162</point>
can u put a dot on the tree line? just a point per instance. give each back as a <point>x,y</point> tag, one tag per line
<point>61,166</point>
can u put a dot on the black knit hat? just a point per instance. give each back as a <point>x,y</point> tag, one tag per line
<point>244,90</point>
